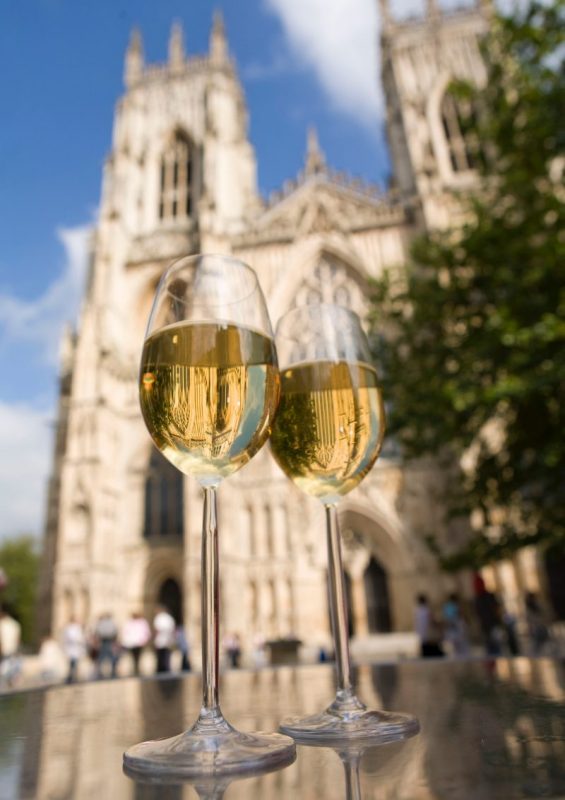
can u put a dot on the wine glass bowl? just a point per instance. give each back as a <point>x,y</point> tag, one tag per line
<point>331,418</point>
<point>209,383</point>
<point>327,435</point>
<point>209,389</point>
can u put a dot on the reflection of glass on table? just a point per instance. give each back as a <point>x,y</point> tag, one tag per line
<point>206,787</point>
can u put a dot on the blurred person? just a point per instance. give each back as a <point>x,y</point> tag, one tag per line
<point>74,647</point>
<point>107,636</point>
<point>49,657</point>
<point>538,631</point>
<point>489,614</point>
<point>164,627</point>
<point>455,629</point>
<point>232,649</point>
<point>10,639</point>
<point>510,624</point>
<point>427,628</point>
<point>92,649</point>
<point>136,634</point>
<point>184,647</point>
<point>258,652</point>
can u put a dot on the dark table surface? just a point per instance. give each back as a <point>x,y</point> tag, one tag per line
<point>489,730</point>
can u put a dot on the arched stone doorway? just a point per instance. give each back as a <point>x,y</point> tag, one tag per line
<point>164,583</point>
<point>382,569</point>
<point>170,596</point>
<point>377,597</point>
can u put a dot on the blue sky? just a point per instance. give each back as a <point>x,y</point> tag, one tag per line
<point>301,62</point>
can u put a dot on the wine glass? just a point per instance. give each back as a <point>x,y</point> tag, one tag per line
<point>209,389</point>
<point>327,435</point>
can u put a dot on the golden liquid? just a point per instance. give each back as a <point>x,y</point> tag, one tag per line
<point>330,426</point>
<point>209,392</point>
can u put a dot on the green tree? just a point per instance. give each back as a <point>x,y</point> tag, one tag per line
<point>20,561</point>
<point>474,352</point>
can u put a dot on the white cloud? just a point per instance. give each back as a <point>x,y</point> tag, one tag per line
<point>25,431</point>
<point>26,453</point>
<point>338,40</point>
<point>40,321</point>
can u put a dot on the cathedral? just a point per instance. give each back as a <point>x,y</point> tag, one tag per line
<point>123,526</point>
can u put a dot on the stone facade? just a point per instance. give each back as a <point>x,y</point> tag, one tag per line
<point>122,530</point>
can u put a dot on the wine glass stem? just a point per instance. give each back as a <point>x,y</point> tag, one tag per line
<point>352,779</point>
<point>210,607</point>
<point>338,605</point>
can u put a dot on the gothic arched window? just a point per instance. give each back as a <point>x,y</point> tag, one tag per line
<point>176,198</point>
<point>458,118</point>
<point>163,499</point>
<point>332,282</point>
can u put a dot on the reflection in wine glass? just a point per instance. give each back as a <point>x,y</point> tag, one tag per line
<point>327,435</point>
<point>209,389</point>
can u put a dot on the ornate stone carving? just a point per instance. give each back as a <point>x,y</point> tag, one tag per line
<point>162,245</point>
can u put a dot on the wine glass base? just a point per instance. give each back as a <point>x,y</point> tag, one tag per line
<point>192,754</point>
<point>361,726</point>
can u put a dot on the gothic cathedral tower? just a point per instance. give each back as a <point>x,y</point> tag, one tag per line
<point>431,158</point>
<point>180,178</point>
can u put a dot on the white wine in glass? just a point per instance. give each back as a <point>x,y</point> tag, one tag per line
<point>327,435</point>
<point>330,426</point>
<point>209,389</point>
<point>209,392</point>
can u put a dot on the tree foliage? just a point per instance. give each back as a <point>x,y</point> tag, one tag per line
<point>20,561</point>
<point>474,356</point>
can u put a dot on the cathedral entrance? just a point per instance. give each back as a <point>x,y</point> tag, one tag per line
<point>380,565</point>
<point>377,597</point>
<point>170,596</point>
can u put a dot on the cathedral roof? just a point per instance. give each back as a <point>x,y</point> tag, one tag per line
<point>321,199</point>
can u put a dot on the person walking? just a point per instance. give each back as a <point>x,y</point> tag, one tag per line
<point>50,657</point>
<point>10,638</point>
<point>537,629</point>
<point>232,649</point>
<point>510,624</point>
<point>490,618</point>
<point>107,637</point>
<point>259,654</point>
<point>455,629</point>
<point>427,629</point>
<point>164,638</point>
<point>184,647</point>
<point>136,634</point>
<point>74,646</point>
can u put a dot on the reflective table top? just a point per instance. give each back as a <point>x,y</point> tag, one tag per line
<point>490,730</point>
